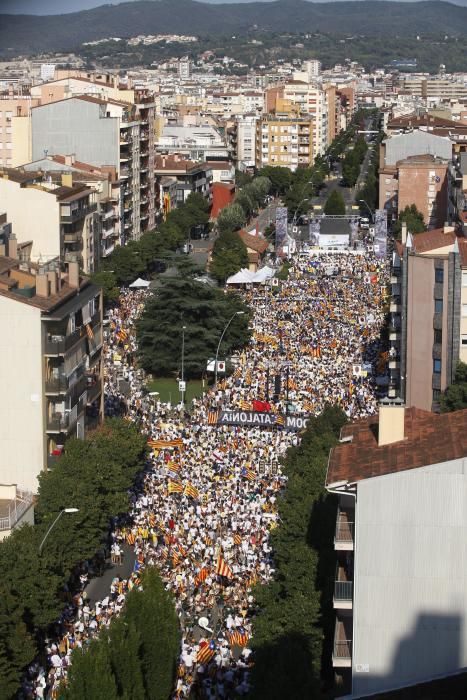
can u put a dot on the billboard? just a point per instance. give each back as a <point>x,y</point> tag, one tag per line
<point>314,229</point>
<point>381,233</point>
<point>281,226</point>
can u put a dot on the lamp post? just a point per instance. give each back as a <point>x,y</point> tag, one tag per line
<point>64,510</point>
<point>237,313</point>
<point>362,201</point>
<point>183,366</point>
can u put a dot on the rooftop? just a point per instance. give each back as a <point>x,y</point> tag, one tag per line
<point>429,439</point>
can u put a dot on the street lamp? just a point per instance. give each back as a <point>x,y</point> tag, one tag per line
<point>183,366</point>
<point>362,201</point>
<point>237,313</point>
<point>64,510</point>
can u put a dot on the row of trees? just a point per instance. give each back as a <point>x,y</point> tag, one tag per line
<point>204,311</point>
<point>295,614</point>
<point>136,657</point>
<point>352,162</point>
<point>93,475</point>
<point>455,396</point>
<point>154,248</point>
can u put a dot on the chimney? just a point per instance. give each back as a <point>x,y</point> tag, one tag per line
<point>70,159</point>
<point>391,422</point>
<point>42,284</point>
<point>404,233</point>
<point>67,180</point>
<point>52,277</point>
<point>12,246</point>
<point>73,274</point>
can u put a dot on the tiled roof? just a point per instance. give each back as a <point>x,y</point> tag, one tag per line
<point>431,240</point>
<point>429,439</point>
<point>255,243</point>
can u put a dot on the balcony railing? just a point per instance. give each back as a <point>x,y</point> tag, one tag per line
<point>56,385</point>
<point>344,529</point>
<point>343,590</point>
<point>77,214</point>
<point>94,390</point>
<point>15,509</point>
<point>59,344</point>
<point>342,649</point>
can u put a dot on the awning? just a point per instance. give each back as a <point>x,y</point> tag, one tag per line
<point>139,284</point>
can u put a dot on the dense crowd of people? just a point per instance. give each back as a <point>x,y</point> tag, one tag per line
<point>207,502</point>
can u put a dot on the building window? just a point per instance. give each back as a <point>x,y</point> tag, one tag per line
<point>464,278</point>
<point>439,275</point>
<point>439,306</point>
<point>436,366</point>
<point>464,340</point>
<point>438,336</point>
<point>436,395</point>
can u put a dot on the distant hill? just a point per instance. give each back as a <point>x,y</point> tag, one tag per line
<point>25,34</point>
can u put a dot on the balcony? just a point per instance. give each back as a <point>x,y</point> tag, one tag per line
<point>342,650</point>
<point>343,586</point>
<point>76,214</point>
<point>56,385</point>
<point>108,233</point>
<point>74,237</point>
<point>144,135</point>
<point>59,344</point>
<point>344,536</point>
<point>94,391</point>
<point>107,251</point>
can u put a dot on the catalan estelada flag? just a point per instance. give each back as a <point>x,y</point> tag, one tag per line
<point>89,331</point>
<point>247,473</point>
<point>174,487</point>
<point>121,335</point>
<point>245,405</point>
<point>222,568</point>
<point>206,653</point>
<point>191,491</point>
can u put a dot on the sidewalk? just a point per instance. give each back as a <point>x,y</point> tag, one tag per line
<point>99,587</point>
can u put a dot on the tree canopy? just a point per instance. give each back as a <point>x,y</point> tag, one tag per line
<point>455,396</point>
<point>204,311</point>
<point>136,658</point>
<point>295,609</point>
<point>335,204</point>
<point>413,218</point>
<point>93,475</point>
<point>229,255</point>
<point>231,218</point>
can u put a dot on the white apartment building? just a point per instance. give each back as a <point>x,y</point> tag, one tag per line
<point>51,369</point>
<point>196,142</point>
<point>400,592</point>
<point>62,219</point>
<point>311,99</point>
<point>245,135</point>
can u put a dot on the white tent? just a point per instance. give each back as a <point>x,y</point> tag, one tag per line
<point>139,284</point>
<point>263,274</point>
<point>244,276</point>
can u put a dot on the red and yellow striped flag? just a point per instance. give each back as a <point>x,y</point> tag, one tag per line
<point>205,654</point>
<point>245,405</point>
<point>201,576</point>
<point>174,487</point>
<point>222,568</point>
<point>237,538</point>
<point>191,491</point>
<point>213,417</point>
<point>238,638</point>
<point>161,444</point>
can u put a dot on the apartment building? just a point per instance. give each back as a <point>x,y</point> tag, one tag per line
<point>425,327</point>
<point>414,169</point>
<point>284,141</point>
<point>434,87</point>
<point>61,216</point>
<point>311,100</point>
<point>242,141</point>
<point>197,142</point>
<point>107,134</point>
<point>15,128</point>
<point>400,593</point>
<point>100,180</point>
<point>188,176</point>
<point>51,370</point>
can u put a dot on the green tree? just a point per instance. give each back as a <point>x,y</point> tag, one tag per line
<point>203,310</point>
<point>295,609</point>
<point>231,218</point>
<point>246,202</point>
<point>455,396</point>
<point>17,647</point>
<point>279,177</point>
<point>90,675</point>
<point>229,255</point>
<point>126,263</point>
<point>108,283</point>
<point>335,204</point>
<point>413,218</point>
